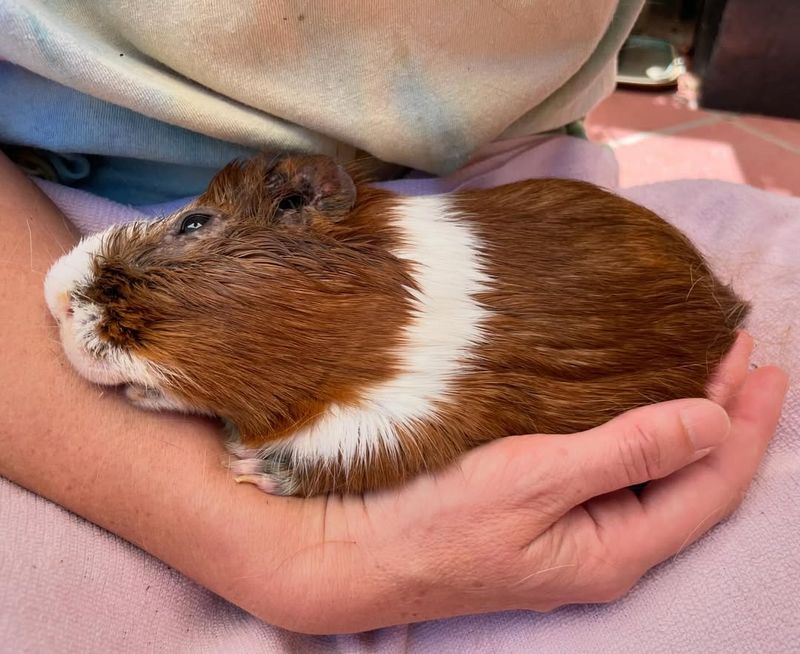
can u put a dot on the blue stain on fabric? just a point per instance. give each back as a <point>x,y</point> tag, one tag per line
<point>44,42</point>
<point>434,123</point>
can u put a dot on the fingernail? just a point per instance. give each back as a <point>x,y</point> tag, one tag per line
<point>706,423</point>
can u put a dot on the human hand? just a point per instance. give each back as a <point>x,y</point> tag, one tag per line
<point>536,522</point>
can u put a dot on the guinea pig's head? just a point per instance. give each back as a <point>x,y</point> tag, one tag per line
<point>234,305</point>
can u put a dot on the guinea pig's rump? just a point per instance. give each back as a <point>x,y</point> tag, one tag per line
<point>618,308</point>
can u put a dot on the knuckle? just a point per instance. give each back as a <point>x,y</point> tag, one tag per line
<point>641,454</point>
<point>615,593</point>
<point>611,586</point>
<point>733,493</point>
<point>546,606</point>
<point>738,494</point>
<point>608,579</point>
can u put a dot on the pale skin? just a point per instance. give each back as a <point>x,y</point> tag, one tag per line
<point>528,522</point>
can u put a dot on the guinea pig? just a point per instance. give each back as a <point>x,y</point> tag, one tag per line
<point>350,338</point>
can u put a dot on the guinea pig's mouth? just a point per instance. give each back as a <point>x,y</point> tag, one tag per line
<point>94,359</point>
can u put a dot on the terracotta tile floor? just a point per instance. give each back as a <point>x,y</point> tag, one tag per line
<point>663,136</point>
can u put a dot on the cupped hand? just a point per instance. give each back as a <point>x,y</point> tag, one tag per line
<point>540,521</point>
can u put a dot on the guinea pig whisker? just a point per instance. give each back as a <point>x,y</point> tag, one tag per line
<point>694,283</point>
<point>545,570</point>
<point>30,239</point>
<point>57,242</point>
<point>716,299</point>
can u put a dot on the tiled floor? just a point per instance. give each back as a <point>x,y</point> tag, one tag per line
<point>663,136</point>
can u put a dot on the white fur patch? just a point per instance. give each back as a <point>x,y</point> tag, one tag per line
<point>447,324</point>
<point>70,271</point>
<point>98,362</point>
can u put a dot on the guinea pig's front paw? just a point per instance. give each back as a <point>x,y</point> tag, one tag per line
<point>272,476</point>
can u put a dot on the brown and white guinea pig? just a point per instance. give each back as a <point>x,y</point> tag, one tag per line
<point>351,338</point>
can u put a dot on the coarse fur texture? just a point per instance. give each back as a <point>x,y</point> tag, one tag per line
<point>351,338</point>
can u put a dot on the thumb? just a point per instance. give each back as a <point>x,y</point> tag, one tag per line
<point>643,444</point>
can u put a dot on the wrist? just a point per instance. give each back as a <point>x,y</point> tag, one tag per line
<point>344,573</point>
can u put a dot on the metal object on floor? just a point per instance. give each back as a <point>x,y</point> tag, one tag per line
<point>648,62</point>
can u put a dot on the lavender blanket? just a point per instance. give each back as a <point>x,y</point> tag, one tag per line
<point>68,586</point>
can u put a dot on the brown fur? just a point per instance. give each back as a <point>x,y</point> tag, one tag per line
<point>267,320</point>
<point>271,314</point>
<point>615,309</point>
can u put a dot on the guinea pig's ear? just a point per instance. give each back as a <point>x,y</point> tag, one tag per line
<point>225,189</point>
<point>317,182</point>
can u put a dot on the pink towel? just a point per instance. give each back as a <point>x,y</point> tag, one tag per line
<point>68,586</point>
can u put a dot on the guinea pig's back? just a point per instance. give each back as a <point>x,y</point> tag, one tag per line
<point>546,306</point>
<point>594,305</point>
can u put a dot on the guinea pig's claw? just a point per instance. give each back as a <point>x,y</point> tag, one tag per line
<point>268,475</point>
<point>262,482</point>
<point>247,479</point>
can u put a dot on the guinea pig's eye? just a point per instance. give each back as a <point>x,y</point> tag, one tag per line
<point>193,222</point>
<point>291,203</point>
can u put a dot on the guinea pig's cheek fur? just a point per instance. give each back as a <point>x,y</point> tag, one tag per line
<point>87,365</point>
<point>111,368</point>
<point>68,273</point>
<point>96,360</point>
